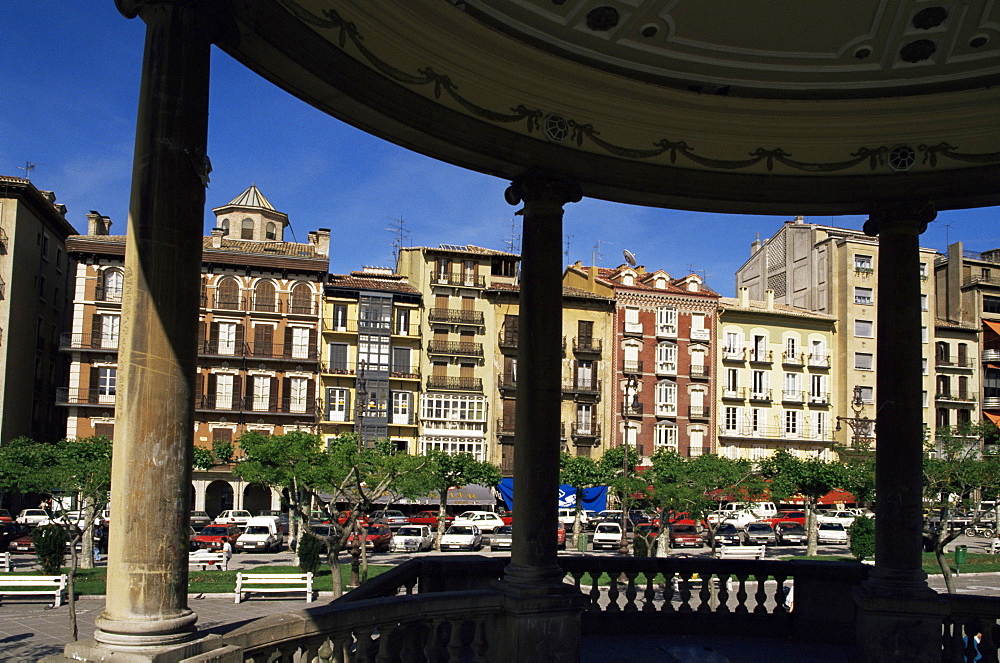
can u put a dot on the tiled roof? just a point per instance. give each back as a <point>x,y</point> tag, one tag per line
<point>394,283</point>
<point>733,304</point>
<point>263,248</point>
<point>644,282</point>
<point>466,248</point>
<point>567,291</point>
<point>252,197</point>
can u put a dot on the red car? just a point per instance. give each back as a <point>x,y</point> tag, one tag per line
<point>787,517</point>
<point>378,539</point>
<point>5,516</point>
<point>428,518</point>
<point>561,536</point>
<point>211,537</point>
<point>344,516</point>
<point>507,517</point>
<point>683,535</point>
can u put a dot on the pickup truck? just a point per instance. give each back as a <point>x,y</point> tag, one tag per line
<point>429,518</point>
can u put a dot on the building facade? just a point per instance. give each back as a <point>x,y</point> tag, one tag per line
<point>35,308</point>
<point>370,369</point>
<point>775,379</point>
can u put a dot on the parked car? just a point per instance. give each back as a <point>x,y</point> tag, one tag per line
<point>727,534</point>
<point>211,537</point>
<point>607,535</point>
<point>755,534</point>
<point>462,537</point>
<point>342,518</point>
<point>34,517</point>
<point>262,534</point>
<point>378,538</point>
<point>429,518</point>
<point>832,533</point>
<point>76,517</point>
<point>199,520</point>
<point>9,532</point>
<point>648,530</point>
<point>322,532</point>
<point>503,538</point>
<point>486,521</point>
<point>507,517</point>
<point>5,516</point>
<point>568,518</point>
<point>282,517</point>
<point>787,517</point>
<point>233,517</point>
<point>685,536</point>
<point>26,542</point>
<point>788,533</point>
<point>560,536</point>
<point>845,518</point>
<point>412,538</point>
<point>394,519</point>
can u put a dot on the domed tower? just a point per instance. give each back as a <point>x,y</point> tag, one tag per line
<point>249,216</point>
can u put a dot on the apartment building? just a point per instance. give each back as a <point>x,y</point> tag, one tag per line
<point>35,307</point>
<point>775,379</point>
<point>968,300</point>
<point>258,342</point>
<point>662,353</point>
<point>370,369</point>
<point>587,371</point>
<point>457,377</point>
<point>833,271</point>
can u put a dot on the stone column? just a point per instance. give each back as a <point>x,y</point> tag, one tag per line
<point>146,611</point>
<point>542,616</point>
<point>896,621</point>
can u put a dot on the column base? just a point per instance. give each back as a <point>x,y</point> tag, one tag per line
<point>202,650</point>
<point>531,580</point>
<point>898,618</point>
<point>541,623</point>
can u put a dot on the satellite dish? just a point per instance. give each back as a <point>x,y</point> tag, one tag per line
<point>629,257</point>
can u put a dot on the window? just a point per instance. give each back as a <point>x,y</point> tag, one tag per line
<point>792,389</point>
<point>817,388</point>
<point>923,270</point>
<point>227,338</point>
<point>863,263</point>
<point>337,357</point>
<point>863,296</point>
<point>339,317</point>
<point>698,367</point>
<point>298,389</point>
<point>110,324</point>
<point>963,388</point>
<point>819,425</point>
<point>733,345</point>
<point>759,384</point>
<point>374,351</point>
<point>666,359</point>
<point>224,391</point>
<point>632,363</point>
<point>864,328</point>
<point>632,323</point>
<point>584,373</point>
<point>246,229</point>
<point>264,297</point>
<point>271,231</point>
<point>402,322</point>
<point>942,418</point>
<point>867,394</point>
<point>759,350</point>
<point>732,381</point>
<point>227,295</point>
<point>941,352</point>
<point>665,436</point>
<point>698,330</point>
<point>401,361</point>
<point>923,365</point>
<point>584,419</point>
<point>107,384</point>
<point>225,227</point>
<point>261,392</point>
<point>301,299</point>
<point>791,422</point>
<point>402,405</point>
<point>923,335</point>
<point>991,304</point>
<point>469,269</point>
<point>756,420</point>
<point>666,321</point>
<point>923,302</point>
<point>111,290</point>
<point>337,404</point>
<point>731,419</point>
<point>791,347</point>
<point>443,268</point>
<point>666,398</point>
<point>943,386</point>
<point>696,441</point>
<point>963,354</point>
<point>863,361</point>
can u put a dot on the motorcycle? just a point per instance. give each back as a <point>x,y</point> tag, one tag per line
<point>979,530</point>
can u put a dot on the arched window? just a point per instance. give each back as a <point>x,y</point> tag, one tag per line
<point>301,299</point>
<point>225,226</point>
<point>227,295</point>
<point>264,297</point>
<point>246,229</point>
<point>271,231</point>
<point>111,286</point>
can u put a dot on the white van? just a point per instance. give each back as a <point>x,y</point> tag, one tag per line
<point>568,517</point>
<point>262,534</point>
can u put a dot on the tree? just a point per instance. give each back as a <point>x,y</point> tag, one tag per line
<point>862,533</point>
<point>444,471</point>
<point>812,478</point>
<point>203,459</point>
<point>581,472</point>
<point>223,451</point>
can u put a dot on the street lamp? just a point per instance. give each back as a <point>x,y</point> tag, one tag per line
<point>862,428</point>
<point>631,399</point>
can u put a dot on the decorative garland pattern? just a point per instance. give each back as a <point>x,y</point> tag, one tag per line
<point>532,117</point>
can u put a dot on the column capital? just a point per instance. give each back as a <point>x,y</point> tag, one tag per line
<point>219,25</point>
<point>900,215</point>
<point>536,185</point>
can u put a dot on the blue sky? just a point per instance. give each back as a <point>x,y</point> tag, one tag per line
<point>70,82</point>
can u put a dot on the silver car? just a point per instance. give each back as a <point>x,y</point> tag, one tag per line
<point>502,539</point>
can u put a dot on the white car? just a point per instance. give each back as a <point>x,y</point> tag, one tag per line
<point>260,535</point>
<point>607,535</point>
<point>412,538</point>
<point>33,517</point>
<point>845,518</point>
<point>486,521</point>
<point>832,533</point>
<point>462,537</point>
<point>233,517</point>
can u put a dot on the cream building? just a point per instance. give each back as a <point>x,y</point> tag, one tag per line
<point>775,379</point>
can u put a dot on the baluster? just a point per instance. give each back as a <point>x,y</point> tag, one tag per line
<point>779,595</point>
<point>365,646</point>
<point>705,595</point>
<point>760,596</point>
<point>595,592</point>
<point>741,594</point>
<point>479,642</point>
<point>668,594</point>
<point>455,645</point>
<point>631,592</point>
<point>613,593</point>
<point>386,637</point>
<point>724,585</point>
<point>577,580</point>
<point>324,654</point>
<point>684,584</point>
<point>649,594</point>
<point>408,586</point>
<point>431,646</point>
<point>412,637</point>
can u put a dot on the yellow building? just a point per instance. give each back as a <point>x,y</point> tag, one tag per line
<point>775,378</point>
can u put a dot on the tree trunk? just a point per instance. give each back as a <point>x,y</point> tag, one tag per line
<point>442,511</point>
<point>661,542</point>
<point>811,533</point>
<point>336,578</point>
<point>87,551</point>
<point>939,554</point>
<point>70,586</point>
<point>577,520</point>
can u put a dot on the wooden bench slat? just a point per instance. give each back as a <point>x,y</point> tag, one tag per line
<point>35,585</point>
<point>293,582</point>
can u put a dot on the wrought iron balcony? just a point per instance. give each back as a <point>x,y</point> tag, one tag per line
<point>698,412</point>
<point>760,396</point>
<point>633,366</point>
<point>259,405</point>
<point>458,280</point>
<point>762,357</point>
<point>634,410</point>
<point>456,348</point>
<point>793,358</point>
<point>218,348</point>
<point>455,316</point>
<point>103,342</point>
<point>68,396</point>
<point>792,396</point>
<point>507,339</point>
<point>506,381</point>
<point>947,362</point>
<point>448,383</point>
<point>585,431</point>
<point>590,386</point>
<point>819,360</point>
<point>699,371</point>
<point>504,427</point>
<point>588,346</point>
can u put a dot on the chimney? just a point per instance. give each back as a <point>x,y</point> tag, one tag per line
<point>321,240</point>
<point>769,300</point>
<point>641,269</point>
<point>755,245</point>
<point>592,278</point>
<point>743,297</point>
<point>98,224</point>
<point>799,219</point>
<point>217,238</point>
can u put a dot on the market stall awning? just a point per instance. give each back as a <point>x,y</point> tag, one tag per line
<point>995,418</point>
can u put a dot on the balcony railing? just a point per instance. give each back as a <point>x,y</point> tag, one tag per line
<point>793,358</point>
<point>734,354</point>
<point>819,360</point>
<point>698,412</point>
<point>252,304</point>
<point>103,294</point>
<point>801,432</point>
<point>633,366</point>
<point>666,368</point>
<point>819,399</point>
<point>632,410</point>
<point>456,348</point>
<point>734,394</point>
<point>991,355</point>
<point>991,402</point>
<point>507,339</point>
<point>699,371</point>
<point>946,362</point>
<point>589,346</point>
<point>68,396</point>
<point>955,396</point>
<point>792,396</point>
<point>505,428</point>
<point>258,405</point>
<point>761,357</point>
<point>666,330</point>
<point>580,430</point>
<point>761,396</point>
<point>506,381</point>
<point>460,280</point>
<point>69,341</point>
<point>448,383</point>
<point>582,386</point>
<point>455,316</point>
<point>217,348</point>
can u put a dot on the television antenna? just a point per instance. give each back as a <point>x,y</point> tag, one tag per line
<point>28,167</point>
<point>566,243</point>
<point>401,234</point>
<point>596,254</point>
<point>514,239</point>
<point>629,257</point>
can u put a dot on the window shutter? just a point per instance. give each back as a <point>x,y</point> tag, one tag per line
<point>312,343</point>
<point>213,390</point>
<point>95,381</point>
<point>199,385</point>
<point>95,331</point>
<point>288,342</point>
<point>239,339</point>
<point>201,336</point>
<point>286,393</point>
<point>311,396</point>
<point>258,340</point>
<point>329,402</point>
<point>238,396</point>
<point>338,356</point>
<point>348,412</point>
<point>273,396</point>
<point>213,339</point>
